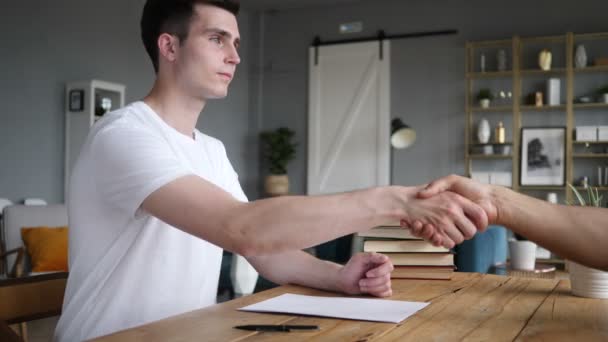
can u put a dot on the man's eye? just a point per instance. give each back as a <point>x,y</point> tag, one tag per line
<point>217,40</point>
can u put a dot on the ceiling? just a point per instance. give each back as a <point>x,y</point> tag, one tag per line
<point>290,4</point>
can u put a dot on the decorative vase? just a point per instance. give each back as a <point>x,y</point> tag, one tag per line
<point>484,103</point>
<point>276,185</point>
<point>605,96</point>
<point>499,133</point>
<point>544,60</point>
<point>483,131</point>
<point>580,57</point>
<point>501,60</point>
<point>523,254</point>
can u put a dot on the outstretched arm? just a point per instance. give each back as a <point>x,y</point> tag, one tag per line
<point>576,233</point>
<point>288,223</point>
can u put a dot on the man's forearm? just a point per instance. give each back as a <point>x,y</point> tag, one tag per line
<point>576,233</point>
<point>298,268</point>
<point>297,222</point>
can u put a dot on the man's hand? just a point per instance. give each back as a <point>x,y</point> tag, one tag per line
<point>446,215</point>
<point>366,273</point>
<point>478,193</point>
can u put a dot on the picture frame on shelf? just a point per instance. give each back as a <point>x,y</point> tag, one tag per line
<point>543,156</point>
<point>76,100</point>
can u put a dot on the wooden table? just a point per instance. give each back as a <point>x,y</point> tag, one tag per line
<point>471,306</point>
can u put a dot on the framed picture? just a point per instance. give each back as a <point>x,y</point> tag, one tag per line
<point>76,101</point>
<point>543,156</point>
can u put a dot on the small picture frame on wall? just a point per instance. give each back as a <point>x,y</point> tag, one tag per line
<point>543,156</point>
<point>76,100</point>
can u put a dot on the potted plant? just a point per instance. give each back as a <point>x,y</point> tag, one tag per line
<point>484,96</point>
<point>586,281</point>
<point>603,93</point>
<point>278,150</point>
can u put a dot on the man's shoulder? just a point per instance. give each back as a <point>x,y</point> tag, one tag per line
<point>209,141</point>
<point>132,118</point>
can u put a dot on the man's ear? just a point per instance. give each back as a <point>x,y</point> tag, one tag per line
<point>167,47</point>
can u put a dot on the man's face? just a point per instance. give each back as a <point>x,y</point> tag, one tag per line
<point>208,57</point>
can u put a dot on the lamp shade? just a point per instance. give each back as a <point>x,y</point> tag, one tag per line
<point>402,135</point>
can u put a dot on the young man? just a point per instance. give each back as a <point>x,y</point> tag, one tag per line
<point>575,233</point>
<point>153,201</point>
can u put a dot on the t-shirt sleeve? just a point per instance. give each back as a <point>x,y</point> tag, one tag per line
<point>130,164</point>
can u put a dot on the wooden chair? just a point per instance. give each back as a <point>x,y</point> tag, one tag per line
<point>27,299</point>
<point>14,217</point>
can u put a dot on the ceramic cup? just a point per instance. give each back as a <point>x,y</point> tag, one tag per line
<point>523,254</point>
<point>587,282</point>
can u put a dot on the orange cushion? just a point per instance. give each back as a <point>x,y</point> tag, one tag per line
<point>47,248</point>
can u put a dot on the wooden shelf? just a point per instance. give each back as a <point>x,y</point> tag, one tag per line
<point>493,109</point>
<point>590,155</point>
<point>540,72</point>
<point>489,74</point>
<point>490,156</point>
<point>594,68</point>
<point>490,143</point>
<point>529,108</point>
<point>540,187</point>
<point>590,142</point>
<point>590,105</point>
<point>519,111</point>
<point>599,188</point>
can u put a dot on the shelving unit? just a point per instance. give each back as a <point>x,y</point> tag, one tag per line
<point>522,77</point>
<point>83,108</point>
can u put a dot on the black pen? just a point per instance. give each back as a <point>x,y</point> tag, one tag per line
<point>276,327</point>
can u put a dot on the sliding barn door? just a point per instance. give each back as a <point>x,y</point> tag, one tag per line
<point>349,117</point>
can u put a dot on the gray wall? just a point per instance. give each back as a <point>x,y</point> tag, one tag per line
<point>427,73</point>
<point>46,44</point>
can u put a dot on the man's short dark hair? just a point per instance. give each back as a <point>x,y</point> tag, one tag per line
<point>173,16</point>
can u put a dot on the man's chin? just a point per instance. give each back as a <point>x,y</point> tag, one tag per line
<point>216,95</point>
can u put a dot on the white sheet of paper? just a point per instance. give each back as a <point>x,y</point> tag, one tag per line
<point>377,310</point>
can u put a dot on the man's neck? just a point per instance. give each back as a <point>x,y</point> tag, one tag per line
<point>177,109</point>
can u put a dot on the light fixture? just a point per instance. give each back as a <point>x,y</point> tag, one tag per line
<point>402,135</point>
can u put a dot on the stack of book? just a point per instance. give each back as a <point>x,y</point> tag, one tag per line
<point>412,257</point>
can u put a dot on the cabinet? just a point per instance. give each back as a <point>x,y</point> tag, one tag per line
<point>86,102</point>
<point>571,101</point>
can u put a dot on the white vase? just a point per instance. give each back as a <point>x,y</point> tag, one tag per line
<point>605,96</point>
<point>523,254</point>
<point>483,131</point>
<point>580,57</point>
<point>484,103</point>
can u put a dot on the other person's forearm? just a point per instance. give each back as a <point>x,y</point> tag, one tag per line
<point>576,233</point>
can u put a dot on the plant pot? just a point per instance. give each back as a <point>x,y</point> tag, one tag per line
<point>276,185</point>
<point>484,103</point>
<point>605,97</point>
<point>523,254</point>
<point>587,282</point>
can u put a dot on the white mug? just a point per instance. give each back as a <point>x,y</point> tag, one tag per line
<point>523,254</point>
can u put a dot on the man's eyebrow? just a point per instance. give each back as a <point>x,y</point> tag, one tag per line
<point>223,33</point>
<point>219,31</point>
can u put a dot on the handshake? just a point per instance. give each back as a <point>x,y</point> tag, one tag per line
<point>450,210</point>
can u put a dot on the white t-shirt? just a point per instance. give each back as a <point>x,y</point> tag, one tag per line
<point>127,267</point>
